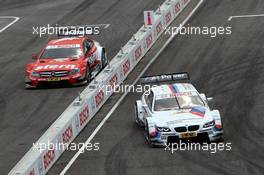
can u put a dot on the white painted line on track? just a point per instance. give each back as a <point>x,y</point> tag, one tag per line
<point>8,17</point>
<point>105,26</point>
<point>245,16</point>
<point>98,25</point>
<point>82,149</point>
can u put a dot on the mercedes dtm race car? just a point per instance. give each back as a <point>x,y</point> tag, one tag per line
<point>74,60</point>
<point>173,112</point>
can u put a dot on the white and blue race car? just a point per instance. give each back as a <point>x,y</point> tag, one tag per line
<point>177,111</point>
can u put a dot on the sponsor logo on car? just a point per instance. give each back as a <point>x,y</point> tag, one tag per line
<point>55,66</point>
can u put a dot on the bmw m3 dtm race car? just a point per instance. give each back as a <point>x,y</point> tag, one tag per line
<point>177,111</point>
<point>73,59</point>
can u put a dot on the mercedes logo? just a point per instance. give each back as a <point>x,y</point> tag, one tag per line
<point>52,73</point>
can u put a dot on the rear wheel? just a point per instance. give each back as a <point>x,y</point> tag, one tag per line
<point>88,75</point>
<point>220,140</point>
<point>136,117</point>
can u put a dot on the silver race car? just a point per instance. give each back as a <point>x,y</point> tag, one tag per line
<point>177,111</point>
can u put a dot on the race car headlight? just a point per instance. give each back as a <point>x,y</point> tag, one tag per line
<point>34,74</point>
<point>74,71</point>
<point>209,124</point>
<point>163,129</point>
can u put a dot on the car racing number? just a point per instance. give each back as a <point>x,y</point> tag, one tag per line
<point>54,79</point>
<point>188,135</point>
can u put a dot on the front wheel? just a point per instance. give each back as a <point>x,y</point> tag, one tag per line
<point>147,136</point>
<point>104,59</point>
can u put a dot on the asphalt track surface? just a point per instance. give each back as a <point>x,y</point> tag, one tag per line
<point>26,114</point>
<point>229,68</point>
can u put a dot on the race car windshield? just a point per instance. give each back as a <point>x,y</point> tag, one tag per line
<point>56,53</point>
<point>177,101</point>
<point>186,102</point>
<point>165,104</point>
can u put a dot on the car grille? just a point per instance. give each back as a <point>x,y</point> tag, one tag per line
<point>189,128</point>
<point>193,127</point>
<point>62,73</point>
<point>180,129</point>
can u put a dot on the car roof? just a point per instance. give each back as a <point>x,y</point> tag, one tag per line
<point>63,41</point>
<point>173,88</point>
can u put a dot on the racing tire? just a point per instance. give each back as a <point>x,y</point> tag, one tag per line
<point>88,76</point>
<point>136,117</point>
<point>147,136</point>
<point>220,140</point>
<point>104,59</point>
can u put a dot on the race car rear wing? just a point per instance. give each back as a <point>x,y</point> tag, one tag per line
<point>74,31</point>
<point>174,77</point>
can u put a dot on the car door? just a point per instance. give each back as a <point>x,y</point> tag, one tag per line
<point>90,54</point>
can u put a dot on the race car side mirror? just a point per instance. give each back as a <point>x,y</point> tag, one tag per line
<point>203,96</point>
<point>34,56</point>
<point>210,99</point>
<point>144,105</point>
<point>210,102</point>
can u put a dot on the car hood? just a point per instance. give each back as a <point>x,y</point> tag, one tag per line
<point>194,116</point>
<point>56,64</point>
